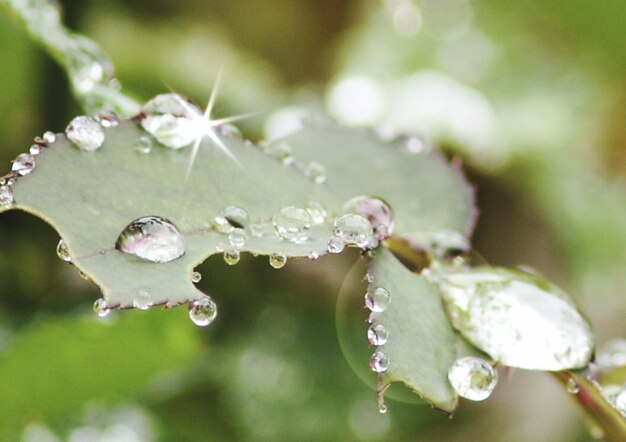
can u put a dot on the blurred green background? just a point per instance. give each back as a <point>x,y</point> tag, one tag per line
<point>529,94</point>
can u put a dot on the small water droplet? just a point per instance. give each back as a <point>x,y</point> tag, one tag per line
<point>172,120</point>
<point>143,300</point>
<point>620,401</point>
<point>472,378</point>
<point>353,229</point>
<point>196,277</point>
<point>382,408</point>
<point>376,211</point>
<point>202,311</point>
<point>377,300</point>
<point>336,244</point>
<point>144,144</point>
<point>152,238</point>
<point>572,386</point>
<point>86,133</point>
<point>23,164</point>
<point>281,151</point>
<point>108,119</point>
<point>262,229</point>
<point>316,172</point>
<point>237,237</point>
<point>317,211</point>
<point>292,224</point>
<point>232,256</point>
<point>6,197</point>
<point>101,308</point>
<point>49,137</point>
<point>612,354</point>
<point>278,260</point>
<point>230,218</point>
<point>35,149</point>
<point>377,334</point>
<point>447,244</point>
<point>314,255</point>
<point>63,252</point>
<point>414,144</point>
<point>228,130</point>
<point>379,362</point>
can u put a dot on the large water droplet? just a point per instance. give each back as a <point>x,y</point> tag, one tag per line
<point>237,237</point>
<point>316,172</point>
<point>86,133</point>
<point>232,256</point>
<point>336,245</point>
<point>152,238</point>
<point>101,308</point>
<point>278,260</point>
<point>6,197</point>
<point>353,230</point>
<point>293,223</point>
<point>379,362</point>
<point>230,218</point>
<point>377,299</point>
<point>23,164</point>
<point>63,252</point>
<point>376,211</point>
<point>196,277</point>
<point>172,120</point>
<point>142,300</point>
<point>202,311</point>
<point>472,378</point>
<point>377,334</point>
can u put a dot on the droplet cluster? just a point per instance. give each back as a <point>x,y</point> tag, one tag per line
<point>377,300</point>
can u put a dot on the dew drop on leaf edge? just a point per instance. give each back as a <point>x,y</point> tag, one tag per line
<point>101,308</point>
<point>377,299</point>
<point>472,378</point>
<point>85,133</point>
<point>202,311</point>
<point>62,252</point>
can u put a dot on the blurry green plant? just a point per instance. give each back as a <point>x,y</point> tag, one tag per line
<point>141,195</point>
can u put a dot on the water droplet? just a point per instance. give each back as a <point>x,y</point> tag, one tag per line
<point>230,218</point>
<point>83,276</point>
<point>23,164</point>
<point>382,408</point>
<point>292,224</point>
<point>49,137</point>
<point>202,311</point>
<point>196,277</point>
<point>144,144</point>
<point>172,120</point>
<point>572,386</point>
<point>142,300</point>
<point>612,354</point>
<point>620,401</point>
<point>353,230</point>
<point>377,300</point>
<point>317,211</point>
<point>101,308</point>
<point>314,255</point>
<point>379,362</point>
<point>6,197</point>
<point>376,211</point>
<point>262,229</point>
<point>152,238</point>
<point>63,252</point>
<point>237,237</point>
<point>316,172</point>
<point>281,151</point>
<point>472,378</point>
<point>278,260</point>
<point>336,244</point>
<point>228,130</point>
<point>108,119</point>
<point>414,144</point>
<point>86,133</point>
<point>377,334</point>
<point>232,256</point>
<point>85,71</point>
<point>446,244</point>
<point>35,149</point>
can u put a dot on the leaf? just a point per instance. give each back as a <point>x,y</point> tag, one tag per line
<point>421,344</point>
<point>518,319</point>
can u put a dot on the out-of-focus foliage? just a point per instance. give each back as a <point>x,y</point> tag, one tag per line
<point>528,93</point>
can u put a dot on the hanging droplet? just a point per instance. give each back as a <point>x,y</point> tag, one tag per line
<point>196,277</point>
<point>377,334</point>
<point>472,378</point>
<point>6,197</point>
<point>278,260</point>
<point>292,224</point>
<point>353,230</point>
<point>237,237</point>
<point>376,211</point>
<point>316,172</point>
<point>230,218</point>
<point>172,120</point>
<point>49,137</point>
<point>317,211</point>
<point>63,252</point>
<point>379,362</point>
<point>232,256</point>
<point>101,308</point>
<point>336,244</point>
<point>23,164</point>
<point>202,311</point>
<point>86,133</point>
<point>152,238</point>
<point>144,144</point>
<point>572,386</point>
<point>377,300</point>
<point>382,408</point>
<point>35,149</point>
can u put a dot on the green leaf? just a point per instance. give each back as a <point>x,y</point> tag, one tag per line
<point>518,319</point>
<point>421,343</point>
